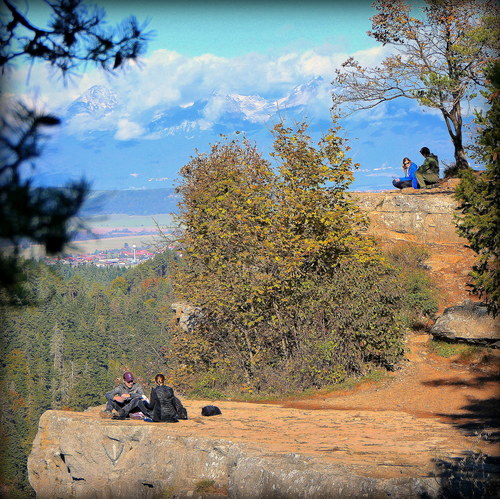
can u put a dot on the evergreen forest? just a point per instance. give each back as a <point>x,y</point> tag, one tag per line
<point>66,341</point>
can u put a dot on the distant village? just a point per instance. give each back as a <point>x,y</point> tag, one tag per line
<point>127,256</point>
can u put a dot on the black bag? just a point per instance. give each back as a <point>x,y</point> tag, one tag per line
<point>210,410</point>
<point>182,413</point>
<point>181,410</point>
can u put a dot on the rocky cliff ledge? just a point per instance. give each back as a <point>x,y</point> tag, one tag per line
<point>424,218</point>
<point>250,451</point>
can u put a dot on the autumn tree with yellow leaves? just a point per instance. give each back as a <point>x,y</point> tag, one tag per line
<point>290,291</point>
<point>439,52</point>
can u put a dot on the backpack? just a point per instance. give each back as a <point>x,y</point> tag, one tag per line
<point>180,409</point>
<point>210,410</point>
<point>182,413</point>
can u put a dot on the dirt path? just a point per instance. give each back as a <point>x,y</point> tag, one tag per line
<point>427,386</point>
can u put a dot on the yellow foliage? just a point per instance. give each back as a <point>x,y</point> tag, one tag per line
<point>253,235</point>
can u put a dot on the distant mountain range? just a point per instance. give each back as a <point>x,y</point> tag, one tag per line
<point>113,151</point>
<point>121,145</point>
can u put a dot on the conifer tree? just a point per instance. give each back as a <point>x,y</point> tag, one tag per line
<point>479,197</point>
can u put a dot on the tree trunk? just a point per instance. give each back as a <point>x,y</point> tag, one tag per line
<point>455,117</point>
<point>460,159</point>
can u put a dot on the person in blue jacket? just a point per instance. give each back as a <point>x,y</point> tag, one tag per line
<point>409,180</point>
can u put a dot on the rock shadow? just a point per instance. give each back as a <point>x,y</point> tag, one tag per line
<point>477,382</point>
<point>474,475</point>
<point>479,416</point>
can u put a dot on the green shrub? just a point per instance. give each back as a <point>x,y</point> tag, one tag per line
<point>204,392</point>
<point>420,299</point>
<point>292,293</point>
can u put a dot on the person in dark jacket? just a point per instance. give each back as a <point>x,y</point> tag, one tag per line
<point>163,405</point>
<point>125,398</point>
<point>409,180</point>
<point>428,173</point>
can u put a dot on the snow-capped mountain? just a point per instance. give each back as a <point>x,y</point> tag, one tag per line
<point>96,100</point>
<point>253,108</point>
<point>224,113</point>
<point>118,147</point>
<point>222,110</point>
<point>301,95</point>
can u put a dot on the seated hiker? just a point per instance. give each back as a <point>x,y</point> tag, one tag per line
<point>164,406</point>
<point>409,180</point>
<point>428,173</point>
<point>125,398</point>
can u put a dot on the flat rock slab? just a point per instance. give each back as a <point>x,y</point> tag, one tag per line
<point>248,451</point>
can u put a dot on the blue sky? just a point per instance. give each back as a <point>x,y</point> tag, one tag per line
<point>235,28</point>
<point>257,48</point>
<point>231,29</point>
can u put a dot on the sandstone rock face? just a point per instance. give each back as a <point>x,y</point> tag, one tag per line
<point>425,218</point>
<point>469,322</point>
<point>78,455</point>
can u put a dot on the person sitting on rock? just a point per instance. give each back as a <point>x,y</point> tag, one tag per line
<point>409,180</point>
<point>125,398</point>
<point>163,405</point>
<point>428,173</point>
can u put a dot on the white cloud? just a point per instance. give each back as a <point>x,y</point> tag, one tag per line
<point>84,122</point>
<point>128,130</point>
<point>167,78</point>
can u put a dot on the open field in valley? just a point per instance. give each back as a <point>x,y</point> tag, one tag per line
<point>104,224</point>
<point>91,245</point>
<point>108,243</point>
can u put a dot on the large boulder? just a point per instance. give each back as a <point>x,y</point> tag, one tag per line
<point>469,322</point>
